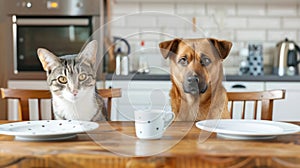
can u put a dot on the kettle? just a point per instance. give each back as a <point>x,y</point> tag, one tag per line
<point>113,51</point>
<point>287,58</point>
<point>117,41</point>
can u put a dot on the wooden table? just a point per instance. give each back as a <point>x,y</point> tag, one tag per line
<point>183,145</point>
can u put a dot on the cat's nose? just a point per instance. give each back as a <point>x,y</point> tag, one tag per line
<point>75,92</point>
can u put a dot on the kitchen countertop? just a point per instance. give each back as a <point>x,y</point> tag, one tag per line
<point>166,77</point>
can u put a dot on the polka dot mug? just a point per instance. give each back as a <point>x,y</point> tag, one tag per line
<point>151,124</point>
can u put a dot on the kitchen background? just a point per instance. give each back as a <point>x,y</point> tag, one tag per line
<point>264,23</point>
<point>242,22</point>
<point>257,22</point>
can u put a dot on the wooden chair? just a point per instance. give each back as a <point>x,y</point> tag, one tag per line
<point>24,95</point>
<point>265,97</point>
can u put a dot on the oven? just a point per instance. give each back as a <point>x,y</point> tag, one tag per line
<point>60,35</point>
<point>61,26</point>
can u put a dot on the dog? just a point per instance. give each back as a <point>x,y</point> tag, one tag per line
<point>196,73</point>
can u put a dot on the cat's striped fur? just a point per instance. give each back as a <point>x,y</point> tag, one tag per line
<point>72,80</point>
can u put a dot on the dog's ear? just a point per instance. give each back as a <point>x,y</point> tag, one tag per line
<point>223,47</point>
<point>169,47</point>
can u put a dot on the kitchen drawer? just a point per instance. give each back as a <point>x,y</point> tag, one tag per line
<point>239,86</point>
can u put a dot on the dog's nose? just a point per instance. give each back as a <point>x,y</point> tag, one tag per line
<point>193,79</point>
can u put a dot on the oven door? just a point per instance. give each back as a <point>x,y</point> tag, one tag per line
<point>59,35</point>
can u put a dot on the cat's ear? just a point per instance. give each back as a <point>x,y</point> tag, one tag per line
<point>89,53</point>
<point>48,59</point>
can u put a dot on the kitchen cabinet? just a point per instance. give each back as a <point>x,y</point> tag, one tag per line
<point>147,94</point>
<point>138,95</point>
<point>289,108</point>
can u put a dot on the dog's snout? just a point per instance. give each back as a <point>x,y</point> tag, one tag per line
<point>193,79</point>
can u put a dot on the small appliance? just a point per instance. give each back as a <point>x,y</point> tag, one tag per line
<point>286,60</point>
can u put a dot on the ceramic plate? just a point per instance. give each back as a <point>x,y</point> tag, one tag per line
<point>247,129</point>
<point>46,130</point>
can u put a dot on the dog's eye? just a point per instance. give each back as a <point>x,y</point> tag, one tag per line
<point>183,61</point>
<point>205,61</point>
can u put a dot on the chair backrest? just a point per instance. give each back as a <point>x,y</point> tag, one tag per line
<point>109,94</point>
<point>24,95</point>
<point>266,98</point>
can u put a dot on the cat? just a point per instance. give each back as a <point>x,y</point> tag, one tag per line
<point>72,82</point>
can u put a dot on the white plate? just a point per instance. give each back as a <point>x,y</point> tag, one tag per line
<point>247,129</point>
<point>46,130</point>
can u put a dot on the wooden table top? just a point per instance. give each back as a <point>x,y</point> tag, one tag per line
<point>114,144</point>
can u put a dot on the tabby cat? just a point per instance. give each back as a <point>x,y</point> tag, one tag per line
<point>72,82</point>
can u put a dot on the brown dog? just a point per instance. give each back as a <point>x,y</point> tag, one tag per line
<point>196,68</point>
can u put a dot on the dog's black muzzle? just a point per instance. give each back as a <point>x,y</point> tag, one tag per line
<point>193,85</point>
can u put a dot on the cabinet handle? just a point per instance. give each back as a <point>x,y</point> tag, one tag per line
<point>238,86</point>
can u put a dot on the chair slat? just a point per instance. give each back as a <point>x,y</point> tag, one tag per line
<point>24,95</point>
<point>231,109</point>
<point>255,109</point>
<point>40,109</point>
<point>265,97</point>
<point>24,107</point>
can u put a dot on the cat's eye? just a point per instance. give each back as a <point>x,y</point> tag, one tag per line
<point>82,77</point>
<point>183,61</point>
<point>62,80</point>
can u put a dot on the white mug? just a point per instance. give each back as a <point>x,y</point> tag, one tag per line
<point>152,124</point>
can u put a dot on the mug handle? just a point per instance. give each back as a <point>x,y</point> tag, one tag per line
<point>168,118</point>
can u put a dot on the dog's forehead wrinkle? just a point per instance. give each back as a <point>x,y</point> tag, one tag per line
<point>194,51</point>
<point>200,46</point>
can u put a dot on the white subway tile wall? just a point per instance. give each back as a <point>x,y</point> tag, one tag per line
<point>291,23</point>
<point>250,35</point>
<point>251,10</point>
<point>282,10</point>
<point>264,22</point>
<point>225,8</point>
<point>158,7</point>
<point>190,9</point>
